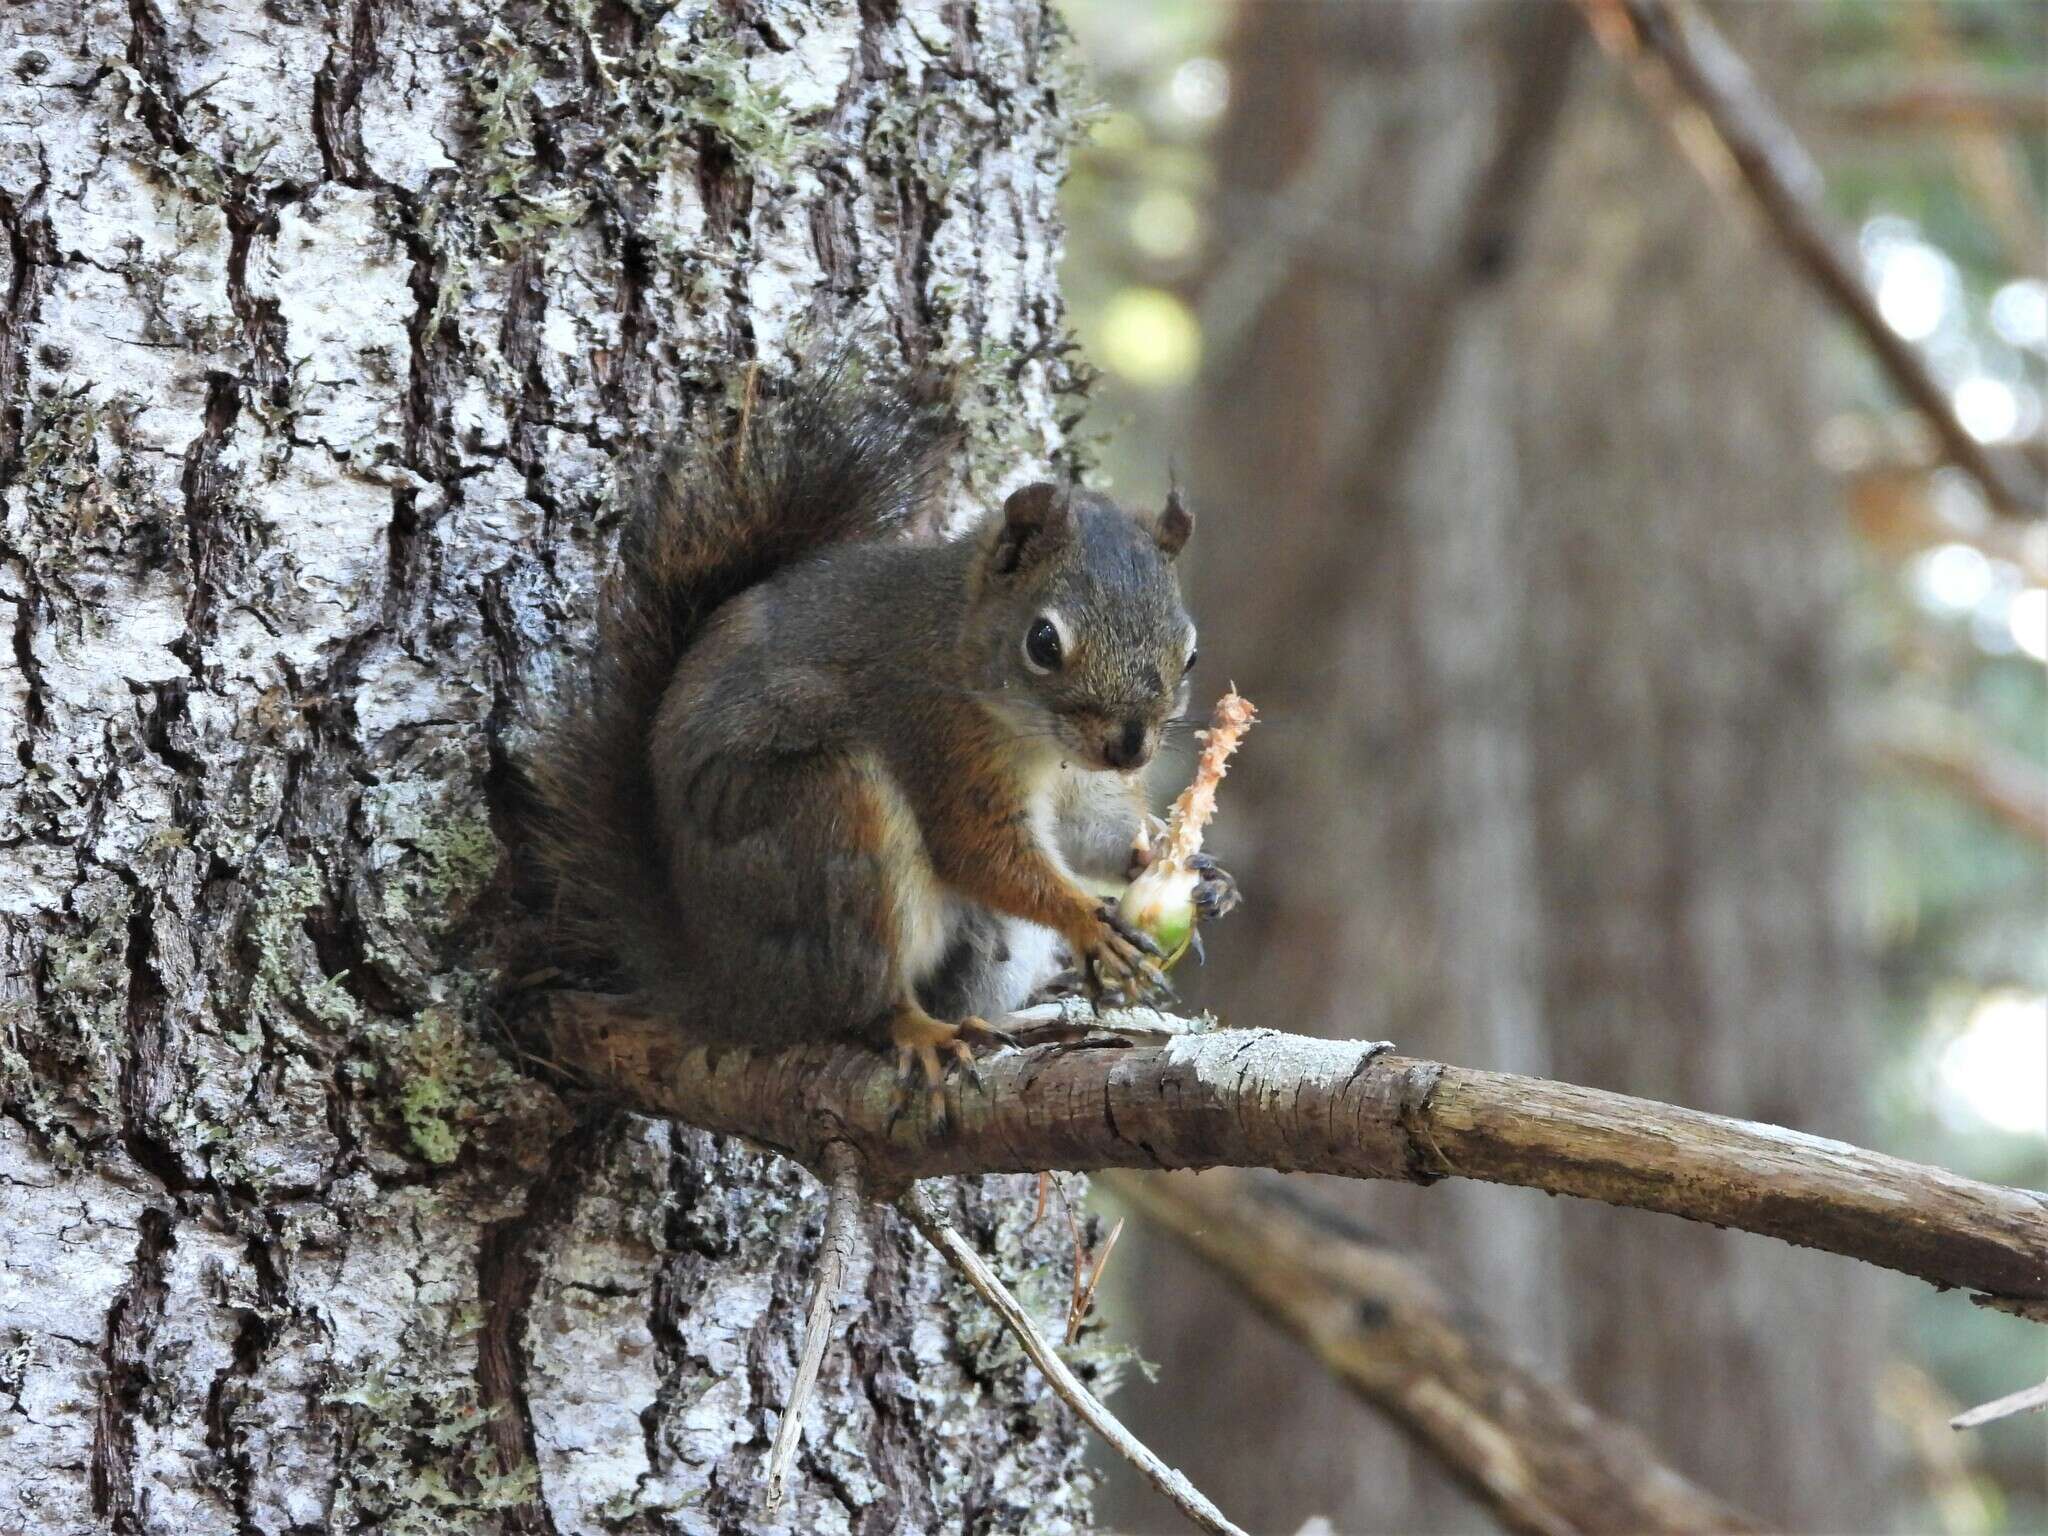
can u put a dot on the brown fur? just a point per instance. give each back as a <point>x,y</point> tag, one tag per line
<point>818,780</point>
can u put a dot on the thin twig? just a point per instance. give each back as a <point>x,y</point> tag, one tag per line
<point>1084,1301</point>
<point>2026,1400</point>
<point>1939,98</point>
<point>1722,118</point>
<point>1949,750</point>
<point>940,1233</point>
<point>750,394</point>
<point>835,1254</point>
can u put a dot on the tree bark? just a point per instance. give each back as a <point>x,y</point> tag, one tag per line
<point>1517,542</point>
<point>324,328</point>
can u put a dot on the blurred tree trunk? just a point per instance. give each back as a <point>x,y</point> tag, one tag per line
<point>321,328</point>
<point>1516,537</point>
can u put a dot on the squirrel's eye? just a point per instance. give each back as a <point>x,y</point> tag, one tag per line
<point>1193,657</point>
<point>1042,646</point>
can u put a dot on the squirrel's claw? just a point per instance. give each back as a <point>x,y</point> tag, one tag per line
<point>1216,891</point>
<point>1134,936</point>
<point>921,1041</point>
<point>1120,963</point>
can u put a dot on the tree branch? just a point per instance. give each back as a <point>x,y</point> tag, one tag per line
<point>1948,750</point>
<point>2026,1400</point>
<point>1259,1098</point>
<point>841,1177</point>
<point>1170,1481</point>
<point>1720,116</point>
<point>1944,98</point>
<point>1541,1461</point>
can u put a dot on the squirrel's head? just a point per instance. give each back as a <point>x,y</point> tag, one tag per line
<point>1079,636</point>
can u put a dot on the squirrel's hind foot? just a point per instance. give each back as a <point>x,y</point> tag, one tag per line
<point>921,1042</point>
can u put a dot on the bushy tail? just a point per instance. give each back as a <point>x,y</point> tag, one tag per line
<point>829,461</point>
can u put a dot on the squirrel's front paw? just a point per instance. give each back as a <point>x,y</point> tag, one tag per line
<point>1120,963</point>
<point>1216,891</point>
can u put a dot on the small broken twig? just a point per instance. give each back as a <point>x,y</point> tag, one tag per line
<point>2026,1400</point>
<point>835,1253</point>
<point>1087,1276</point>
<point>941,1235</point>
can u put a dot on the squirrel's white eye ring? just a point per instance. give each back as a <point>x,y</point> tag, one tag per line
<point>1043,650</point>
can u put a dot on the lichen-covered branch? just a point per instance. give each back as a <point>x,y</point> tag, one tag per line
<point>1540,1460</point>
<point>1262,1099</point>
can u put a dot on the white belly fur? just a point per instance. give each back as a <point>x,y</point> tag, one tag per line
<point>928,914</point>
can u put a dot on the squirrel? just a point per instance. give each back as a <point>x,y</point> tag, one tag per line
<point>822,781</point>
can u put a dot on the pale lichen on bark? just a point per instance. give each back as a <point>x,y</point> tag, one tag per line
<point>323,329</point>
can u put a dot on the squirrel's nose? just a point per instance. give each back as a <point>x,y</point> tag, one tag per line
<point>1130,749</point>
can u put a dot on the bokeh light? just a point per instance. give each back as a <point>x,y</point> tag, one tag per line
<point>2027,618</point>
<point>1987,408</point>
<point>1996,1070</point>
<point>1952,578</point>
<point>2019,313</point>
<point>1150,337</point>
<point>1200,89</point>
<point>1165,224</point>
<point>1916,285</point>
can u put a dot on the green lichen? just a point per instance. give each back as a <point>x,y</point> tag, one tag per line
<point>447,865</point>
<point>78,1034</point>
<point>460,856</point>
<point>685,84</point>
<point>418,1457</point>
<point>440,1077</point>
<point>285,981</point>
<point>68,489</point>
<point>437,1081</point>
<point>997,436</point>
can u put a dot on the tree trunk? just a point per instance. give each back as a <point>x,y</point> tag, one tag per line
<point>1518,543</point>
<point>324,327</point>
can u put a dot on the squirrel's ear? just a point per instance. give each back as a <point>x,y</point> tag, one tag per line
<point>1034,520</point>
<point>1171,528</point>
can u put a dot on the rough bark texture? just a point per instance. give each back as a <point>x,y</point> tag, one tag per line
<point>325,323</point>
<point>1516,540</point>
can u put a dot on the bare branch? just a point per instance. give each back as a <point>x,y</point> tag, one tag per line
<point>1541,1461</point>
<point>835,1253</point>
<point>1169,1481</point>
<point>1723,120</point>
<point>1941,99</point>
<point>1259,1098</point>
<point>1951,751</point>
<point>1893,508</point>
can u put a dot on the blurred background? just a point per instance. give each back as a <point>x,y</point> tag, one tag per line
<point>1646,703</point>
